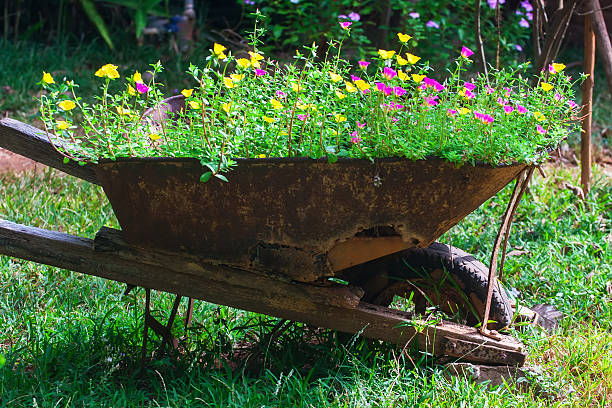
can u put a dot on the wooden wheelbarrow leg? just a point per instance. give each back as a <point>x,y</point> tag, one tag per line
<point>335,307</point>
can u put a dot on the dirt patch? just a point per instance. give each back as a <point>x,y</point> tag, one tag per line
<point>14,163</point>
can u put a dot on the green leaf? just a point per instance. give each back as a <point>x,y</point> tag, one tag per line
<point>2,361</point>
<point>332,158</point>
<point>206,176</point>
<point>221,177</point>
<point>140,19</point>
<point>95,18</point>
<point>66,160</point>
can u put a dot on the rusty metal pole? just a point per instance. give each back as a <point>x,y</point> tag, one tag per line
<point>587,104</point>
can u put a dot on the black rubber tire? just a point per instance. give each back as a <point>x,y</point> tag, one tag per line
<point>465,281</point>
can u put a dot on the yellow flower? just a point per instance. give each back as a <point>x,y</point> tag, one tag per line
<point>413,59</point>
<point>228,82</point>
<point>255,58</point>
<point>301,106</point>
<point>67,105</point>
<point>284,133</point>
<point>269,120</point>
<point>362,85</point>
<point>296,87</point>
<point>335,77</point>
<point>403,37</point>
<point>539,117</point>
<point>227,107</point>
<point>131,91</point>
<point>236,77</point>
<point>122,111</point>
<point>137,77</point>
<point>187,92</point>
<point>109,71</point>
<point>62,124</point>
<point>47,78</point>
<point>218,50</point>
<point>243,62</point>
<point>463,111</point>
<point>194,104</point>
<point>401,60</point>
<point>402,75</point>
<point>154,136</point>
<point>339,118</point>
<point>417,78</point>
<point>546,86</point>
<point>558,67</point>
<point>276,104</point>
<point>349,87</point>
<point>340,95</point>
<point>261,156</point>
<point>386,54</point>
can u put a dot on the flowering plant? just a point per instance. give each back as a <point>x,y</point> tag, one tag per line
<point>318,106</point>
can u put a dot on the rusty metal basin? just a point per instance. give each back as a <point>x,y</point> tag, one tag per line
<point>285,214</point>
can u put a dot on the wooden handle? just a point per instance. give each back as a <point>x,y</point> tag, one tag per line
<point>33,143</point>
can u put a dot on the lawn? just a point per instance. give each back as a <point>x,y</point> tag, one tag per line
<point>74,340</point>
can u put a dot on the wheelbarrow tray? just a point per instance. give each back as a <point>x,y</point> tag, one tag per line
<point>288,214</point>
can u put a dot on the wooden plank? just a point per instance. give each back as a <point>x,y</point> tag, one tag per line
<point>358,250</point>
<point>333,307</point>
<point>587,105</point>
<point>33,143</point>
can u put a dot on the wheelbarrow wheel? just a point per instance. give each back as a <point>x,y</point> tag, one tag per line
<point>439,275</point>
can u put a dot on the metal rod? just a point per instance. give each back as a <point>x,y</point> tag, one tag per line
<point>587,105</point>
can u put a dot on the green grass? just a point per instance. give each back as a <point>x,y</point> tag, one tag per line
<point>74,340</point>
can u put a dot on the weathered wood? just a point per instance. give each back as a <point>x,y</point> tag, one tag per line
<point>33,143</point>
<point>335,307</point>
<point>587,105</point>
<point>603,39</point>
<point>359,250</point>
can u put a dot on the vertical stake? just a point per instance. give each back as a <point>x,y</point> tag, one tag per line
<point>587,104</point>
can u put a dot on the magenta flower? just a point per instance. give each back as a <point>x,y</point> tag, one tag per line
<point>363,64</point>
<point>551,69</point>
<point>355,78</point>
<point>354,16</point>
<point>432,24</point>
<point>355,137</point>
<point>489,90</point>
<point>558,97</point>
<point>361,125</point>
<point>508,91</point>
<point>469,94</point>
<point>399,91</point>
<point>502,101</point>
<point>392,106</point>
<point>469,86</point>
<point>518,48</point>
<point>302,117</point>
<point>529,16</point>
<point>526,5</point>
<point>389,73</point>
<point>524,23</point>
<point>541,130</point>
<point>451,112</point>
<point>260,72</point>
<point>493,3</point>
<point>280,94</point>
<point>431,101</point>
<point>484,118</point>
<point>435,84</point>
<point>572,104</point>
<point>414,14</point>
<point>508,109</point>
<point>521,109</point>
<point>394,120</point>
<point>142,88</point>
<point>345,24</point>
<point>466,52</point>
<point>387,90</point>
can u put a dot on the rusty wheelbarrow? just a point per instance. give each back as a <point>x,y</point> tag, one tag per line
<point>332,245</point>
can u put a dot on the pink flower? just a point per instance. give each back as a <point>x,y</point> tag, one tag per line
<point>469,94</point>
<point>142,88</point>
<point>394,120</point>
<point>524,23</point>
<point>355,78</point>
<point>355,137</point>
<point>354,16</point>
<point>387,90</point>
<point>508,91</point>
<point>389,73</point>
<point>431,101</point>
<point>280,94</point>
<point>469,86</point>
<point>502,101</point>
<point>451,112</point>
<point>466,52</point>
<point>260,72</point>
<point>521,109</point>
<point>363,64</point>
<point>551,69</point>
<point>526,5</point>
<point>361,125</point>
<point>558,97</point>
<point>399,91</point>
<point>302,117</point>
<point>345,24</point>
<point>518,48</point>
<point>541,130</point>
<point>435,84</point>
<point>484,118</point>
<point>432,24</point>
<point>392,106</point>
<point>508,109</point>
<point>489,90</point>
<point>414,14</point>
<point>572,104</point>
